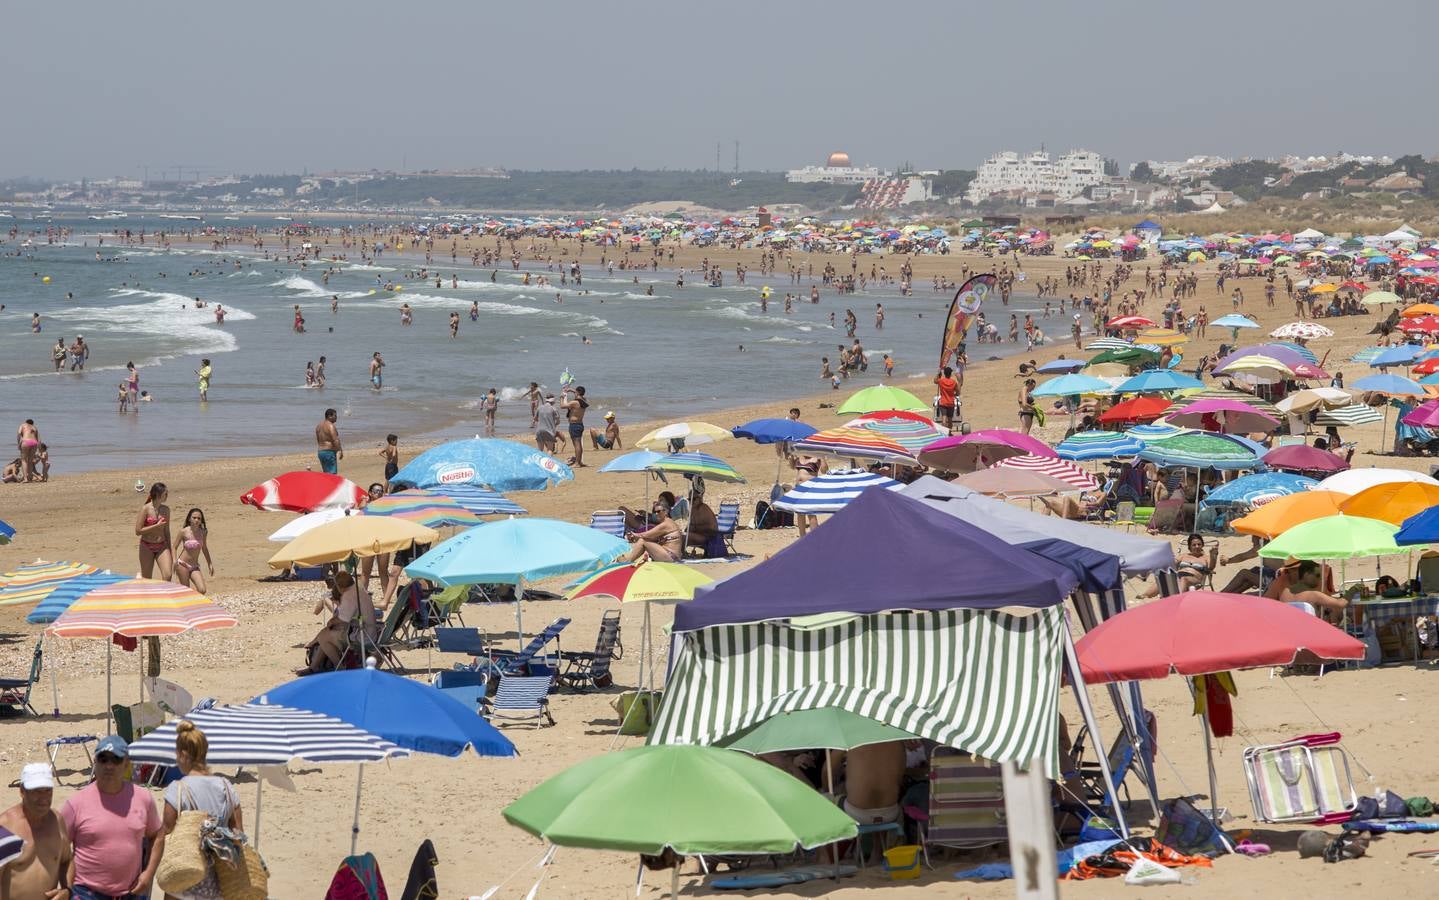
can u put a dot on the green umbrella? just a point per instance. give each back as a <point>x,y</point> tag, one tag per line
<point>881,397</point>
<point>827,728</point>
<point>687,798</point>
<point>1132,355</point>
<point>1335,537</point>
<point>1374,298</point>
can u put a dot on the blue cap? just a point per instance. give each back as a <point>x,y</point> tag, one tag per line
<point>113,745</point>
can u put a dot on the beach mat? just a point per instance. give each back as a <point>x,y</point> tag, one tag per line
<point>1376,826</point>
<point>780,878</point>
<point>733,557</point>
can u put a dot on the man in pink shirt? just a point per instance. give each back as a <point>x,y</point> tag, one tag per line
<point>110,822</point>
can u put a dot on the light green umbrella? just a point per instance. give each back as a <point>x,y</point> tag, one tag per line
<point>881,397</point>
<point>687,798</point>
<point>827,728</point>
<point>1375,298</point>
<point>1335,537</point>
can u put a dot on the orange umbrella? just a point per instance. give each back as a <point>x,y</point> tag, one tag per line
<point>1420,309</point>
<point>1278,516</point>
<point>1392,502</point>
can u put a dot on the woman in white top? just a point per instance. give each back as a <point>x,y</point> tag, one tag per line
<point>199,789</point>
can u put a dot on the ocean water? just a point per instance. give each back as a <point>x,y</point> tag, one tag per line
<point>671,355</point>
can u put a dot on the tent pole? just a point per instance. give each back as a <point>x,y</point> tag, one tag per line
<point>355,826</point>
<point>675,879</point>
<point>1076,681</point>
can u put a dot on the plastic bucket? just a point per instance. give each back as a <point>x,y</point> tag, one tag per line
<point>902,862</point>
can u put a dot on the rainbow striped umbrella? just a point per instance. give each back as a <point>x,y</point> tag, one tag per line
<point>1064,470</point>
<point>912,435</point>
<point>855,443</point>
<point>140,607</point>
<point>711,467</point>
<point>423,507</point>
<point>34,582</point>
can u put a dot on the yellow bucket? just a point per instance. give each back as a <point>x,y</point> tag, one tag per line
<point>902,862</point>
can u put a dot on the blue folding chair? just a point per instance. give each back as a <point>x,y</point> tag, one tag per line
<point>520,698</point>
<point>505,662</point>
<point>610,521</point>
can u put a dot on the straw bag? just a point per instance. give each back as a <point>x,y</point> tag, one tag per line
<point>243,876</point>
<point>183,865</point>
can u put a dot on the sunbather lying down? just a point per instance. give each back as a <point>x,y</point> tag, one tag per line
<point>661,543</point>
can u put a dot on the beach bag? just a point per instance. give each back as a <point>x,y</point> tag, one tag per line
<point>1186,829</point>
<point>243,876</point>
<point>183,865</point>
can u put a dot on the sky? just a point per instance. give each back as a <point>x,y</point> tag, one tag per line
<point>104,89</point>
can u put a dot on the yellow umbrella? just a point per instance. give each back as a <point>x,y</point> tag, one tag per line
<point>342,538</point>
<point>1392,502</point>
<point>1107,370</point>
<point>1420,309</point>
<point>692,433</point>
<point>1163,337</point>
<point>1376,298</point>
<point>1323,288</point>
<point>1278,516</point>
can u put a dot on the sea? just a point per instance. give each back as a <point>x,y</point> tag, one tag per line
<point>675,354</point>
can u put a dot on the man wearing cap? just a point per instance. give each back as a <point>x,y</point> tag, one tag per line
<point>38,872</point>
<point>110,822</point>
<point>547,424</point>
<point>610,439</point>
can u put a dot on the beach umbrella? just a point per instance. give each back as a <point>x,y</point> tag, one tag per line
<point>1334,537</point>
<point>1065,471</point>
<point>1279,515</point>
<point>361,536</point>
<point>1425,415</point>
<point>498,464</point>
<point>967,452</point>
<point>1303,458</point>
<point>304,522</point>
<point>1402,355</point>
<point>1376,298</point>
<point>1249,399</point>
<point>1129,322</point>
<point>1060,366</point>
<point>642,581</point>
<point>1355,480</point>
<point>690,434</point>
<point>1161,337</point>
<point>34,581</point>
<point>1222,415</point>
<point>1004,483</point>
<point>1304,401</point>
<point>7,532</point>
<point>1108,343</point>
<point>771,431</point>
<point>1258,368</point>
<point>895,414</point>
<point>702,464</point>
<point>1307,331</point>
<point>909,434</point>
<point>305,492</point>
<point>1425,325</point>
<point>478,500</point>
<point>1086,445</point>
<point>880,397</point>
<point>428,508</point>
<point>1259,488</point>
<point>1072,385</point>
<point>1139,409</point>
<point>1353,414</point>
<point>1393,502</point>
<point>1420,528</point>
<point>1234,322</point>
<point>1197,450</point>
<point>832,491</point>
<point>634,461</point>
<point>1130,355</point>
<point>1281,347</point>
<point>1277,355</point>
<point>1111,372</point>
<point>823,728</point>
<point>407,713</point>
<point>1419,309</point>
<point>854,443</point>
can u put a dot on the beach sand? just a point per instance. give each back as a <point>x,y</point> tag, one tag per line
<point>457,802</point>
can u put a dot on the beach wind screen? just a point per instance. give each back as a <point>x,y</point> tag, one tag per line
<point>962,310</point>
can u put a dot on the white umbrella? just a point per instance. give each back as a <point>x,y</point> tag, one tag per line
<point>301,524</point>
<point>1355,480</point>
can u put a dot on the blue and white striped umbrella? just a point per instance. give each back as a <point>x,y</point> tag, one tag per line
<point>1253,490</point>
<point>7,532</point>
<point>254,735</point>
<point>1107,343</point>
<point>1098,445</point>
<point>832,491</point>
<point>478,500</point>
<point>11,846</point>
<point>67,592</point>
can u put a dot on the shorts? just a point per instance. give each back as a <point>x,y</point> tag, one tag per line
<point>391,470</point>
<point>544,437</point>
<point>943,410</point>
<point>577,430</point>
<point>604,443</point>
<point>875,816</point>
<point>375,380</point>
<point>328,462</point>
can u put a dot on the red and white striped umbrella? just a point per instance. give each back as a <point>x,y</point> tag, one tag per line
<point>1129,322</point>
<point>141,607</point>
<point>1062,469</point>
<point>304,492</point>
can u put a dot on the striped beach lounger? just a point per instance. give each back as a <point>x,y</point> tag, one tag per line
<point>966,801</point>
<point>1304,780</point>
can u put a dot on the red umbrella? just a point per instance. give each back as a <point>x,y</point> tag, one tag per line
<point>1303,458</point>
<point>304,492</point>
<point>897,414</point>
<point>1427,367</point>
<point>1140,409</point>
<point>1218,414</point>
<point>1129,322</point>
<point>1426,324</point>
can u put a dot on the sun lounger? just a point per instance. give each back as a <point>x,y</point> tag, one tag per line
<point>591,669</point>
<point>610,521</point>
<point>1303,780</point>
<point>754,880</point>
<point>520,698</point>
<point>15,692</point>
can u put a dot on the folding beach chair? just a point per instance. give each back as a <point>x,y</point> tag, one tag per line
<point>1124,514</point>
<point>468,686</point>
<point>468,641</point>
<point>1122,758</point>
<point>445,605</point>
<point>610,521</point>
<point>520,698</point>
<point>966,803</point>
<point>15,692</point>
<point>506,662</point>
<point>727,521</point>
<point>1306,779</point>
<point>591,669</point>
<point>390,639</point>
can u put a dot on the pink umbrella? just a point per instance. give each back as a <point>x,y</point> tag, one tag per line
<point>1062,469</point>
<point>1425,415</point>
<point>1228,416</point>
<point>1302,458</point>
<point>979,449</point>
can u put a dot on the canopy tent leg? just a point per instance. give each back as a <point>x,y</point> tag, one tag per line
<point>355,826</point>
<point>1030,817</point>
<point>675,879</point>
<point>1076,681</point>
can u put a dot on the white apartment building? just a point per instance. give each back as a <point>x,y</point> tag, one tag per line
<point>1065,177</point>
<point>1193,167</point>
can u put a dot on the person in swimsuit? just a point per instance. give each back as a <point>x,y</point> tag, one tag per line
<point>661,543</point>
<point>27,441</point>
<point>152,527</point>
<point>609,439</point>
<point>132,381</point>
<point>491,405</point>
<point>575,405</point>
<point>377,367</point>
<point>391,453</point>
<point>193,541</point>
<point>203,374</point>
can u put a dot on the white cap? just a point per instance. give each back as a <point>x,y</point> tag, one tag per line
<point>37,776</point>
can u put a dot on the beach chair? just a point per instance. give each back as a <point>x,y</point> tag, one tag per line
<point>468,641</point>
<point>610,521</point>
<point>966,803</point>
<point>727,520</point>
<point>1124,514</point>
<point>445,605</point>
<point>390,640</point>
<point>1122,758</point>
<point>520,698</point>
<point>83,741</point>
<point>468,686</point>
<point>591,669</point>
<point>15,692</point>
<point>508,662</point>
<point>1306,779</point>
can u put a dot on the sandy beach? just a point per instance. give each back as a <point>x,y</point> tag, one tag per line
<point>457,803</point>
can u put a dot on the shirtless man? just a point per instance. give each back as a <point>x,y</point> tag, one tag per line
<point>872,781</point>
<point>377,368</point>
<point>27,440</point>
<point>327,442</point>
<point>610,438</point>
<point>40,871</point>
<point>575,405</point>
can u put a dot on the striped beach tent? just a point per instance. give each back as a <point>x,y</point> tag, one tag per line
<point>982,681</point>
<point>1063,470</point>
<point>832,491</point>
<point>256,735</point>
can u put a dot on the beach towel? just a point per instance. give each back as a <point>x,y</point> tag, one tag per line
<point>358,878</point>
<point>1117,861</point>
<point>422,885</point>
<point>1212,693</point>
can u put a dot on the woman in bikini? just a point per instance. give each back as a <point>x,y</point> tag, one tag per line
<point>193,541</point>
<point>152,527</point>
<point>662,543</point>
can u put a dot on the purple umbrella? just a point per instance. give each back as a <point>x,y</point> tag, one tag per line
<point>1302,458</point>
<point>1222,415</point>
<point>980,449</point>
<point>1296,363</point>
<point>1425,415</point>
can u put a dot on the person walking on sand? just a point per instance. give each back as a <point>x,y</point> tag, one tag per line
<point>391,453</point>
<point>327,443</point>
<point>192,543</point>
<point>547,425</point>
<point>199,789</point>
<point>42,869</point>
<point>113,823</point>
<point>532,393</point>
<point>948,391</point>
<point>575,405</point>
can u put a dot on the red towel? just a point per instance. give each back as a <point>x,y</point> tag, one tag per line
<point>1221,711</point>
<point>128,644</point>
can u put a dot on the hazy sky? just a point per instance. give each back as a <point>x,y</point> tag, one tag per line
<point>104,88</point>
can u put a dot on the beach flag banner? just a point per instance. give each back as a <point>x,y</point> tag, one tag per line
<point>982,681</point>
<point>962,309</point>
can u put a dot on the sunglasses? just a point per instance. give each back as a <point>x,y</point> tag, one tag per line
<point>107,759</point>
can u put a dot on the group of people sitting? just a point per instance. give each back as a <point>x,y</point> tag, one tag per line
<point>657,536</point>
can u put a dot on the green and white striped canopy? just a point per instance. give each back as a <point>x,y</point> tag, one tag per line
<point>982,681</point>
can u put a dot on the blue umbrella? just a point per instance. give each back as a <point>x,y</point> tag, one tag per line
<point>59,599</point>
<point>1158,380</point>
<point>1401,355</point>
<point>406,713</point>
<point>7,532</point>
<point>480,501</point>
<point>634,461</point>
<point>1234,320</point>
<point>502,465</point>
<point>1061,366</point>
<point>1086,445</point>
<point>1366,355</point>
<point>770,431</point>
<point>1259,488</point>
<point>1420,528</point>
<point>1073,385</point>
<point>1393,385</point>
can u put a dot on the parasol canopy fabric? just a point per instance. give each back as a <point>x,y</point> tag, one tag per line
<point>1065,471</point>
<point>850,442</point>
<point>711,468</point>
<point>1139,409</point>
<point>249,734</point>
<point>1392,502</point>
<point>33,582</point>
<point>823,728</point>
<point>1258,489</point>
<point>1355,480</point>
<point>1229,416</point>
<point>1001,482</point>
<point>361,536</point>
<point>484,462</point>
<point>1334,537</point>
<point>832,491</point>
<point>880,397</point>
<point>693,434</point>
<point>304,492</point>
<point>978,449</point>
<point>771,431</point>
<point>1199,450</point>
<point>1088,445</point>
<point>1303,458</point>
<point>642,582</point>
<point>511,550</point>
<point>428,508</point>
<point>304,522</point>
<point>140,607</point>
<point>1279,515</point>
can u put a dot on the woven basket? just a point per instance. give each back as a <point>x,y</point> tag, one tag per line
<point>246,879</point>
<point>183,865</point>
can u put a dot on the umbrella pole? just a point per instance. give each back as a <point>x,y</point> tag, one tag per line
<point>355,826</point>
<point>259,794</point>
<point>675,879</point>
<point>54,687</point>
<point>519,614</point>
<point>1209,759</point>
<point>109,713</point>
